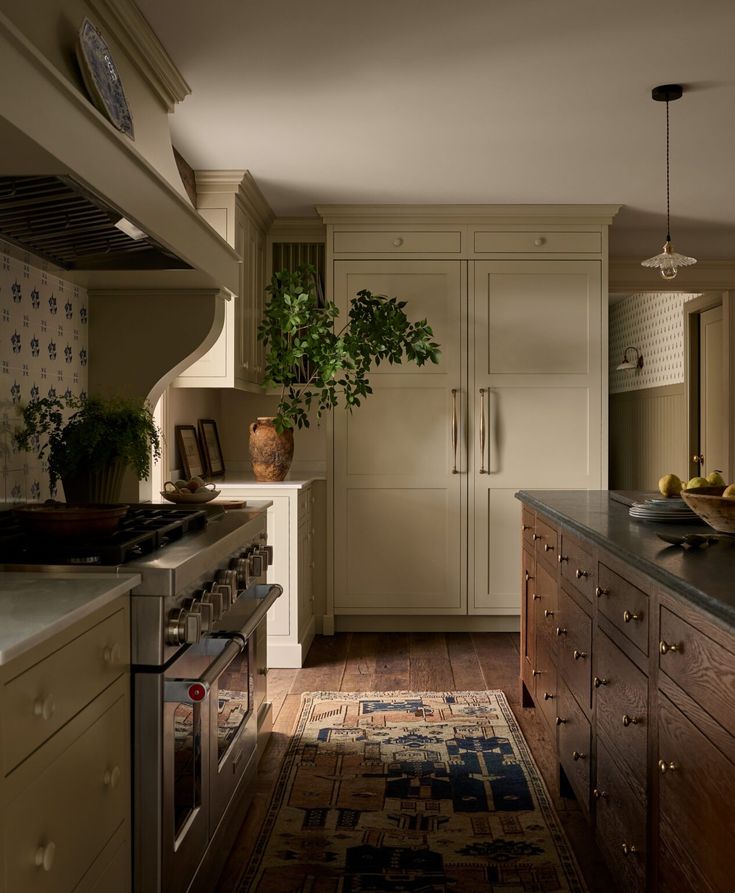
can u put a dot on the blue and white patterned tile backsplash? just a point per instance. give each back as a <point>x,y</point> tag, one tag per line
<point>43,352</point>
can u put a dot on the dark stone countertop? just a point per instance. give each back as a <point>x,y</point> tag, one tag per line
<point>705,577</point>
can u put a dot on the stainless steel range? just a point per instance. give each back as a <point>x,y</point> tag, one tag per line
<point>193,620</point>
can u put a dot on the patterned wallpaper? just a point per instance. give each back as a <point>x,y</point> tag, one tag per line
<point>654,323</point>
<point>43,352</point>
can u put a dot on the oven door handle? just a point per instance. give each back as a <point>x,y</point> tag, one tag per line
<point>193,691</point>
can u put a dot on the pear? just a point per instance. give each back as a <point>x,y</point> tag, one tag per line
<point>729,492</point>
<point>715,479</point>
<point>669,485</point>
<point>696,482</point>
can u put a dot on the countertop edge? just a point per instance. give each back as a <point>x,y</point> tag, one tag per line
<point>699,599</point>
<point>122,583</point>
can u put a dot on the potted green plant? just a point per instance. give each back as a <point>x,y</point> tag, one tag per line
<point>89,442</point>
<point>319,362</point>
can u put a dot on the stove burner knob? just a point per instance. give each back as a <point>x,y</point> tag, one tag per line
<point>204,609</point>
<point>269,552</point>
<point>183,628</point>
<point>257,562</point>
<point>213,598</point>
<point>241,567</point>
<point>225,593</point>
<point>229,578</point>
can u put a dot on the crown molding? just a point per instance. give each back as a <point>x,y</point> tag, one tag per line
<point>254,202</point>
<point>407,213</point>
<point>627,275</point>
<point>140,42</point>
<point>211,182</point>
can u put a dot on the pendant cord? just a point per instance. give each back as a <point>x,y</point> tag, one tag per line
<point>668,217</point>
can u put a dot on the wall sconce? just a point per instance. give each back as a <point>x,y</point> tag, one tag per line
<point>635,362</point>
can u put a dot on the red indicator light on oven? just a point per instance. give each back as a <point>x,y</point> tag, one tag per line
<point>197,692</point>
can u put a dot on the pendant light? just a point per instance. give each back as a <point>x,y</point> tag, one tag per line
<point>668,261</point>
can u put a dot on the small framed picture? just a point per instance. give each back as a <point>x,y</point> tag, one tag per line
<point>191,456</point>
<point>212,449</point>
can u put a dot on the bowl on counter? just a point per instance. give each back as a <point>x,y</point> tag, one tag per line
<point>182,496</point>
<point>715,510</point>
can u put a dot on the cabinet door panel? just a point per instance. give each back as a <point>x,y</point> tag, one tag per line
<point>497,553</point>
<point>400,512</point>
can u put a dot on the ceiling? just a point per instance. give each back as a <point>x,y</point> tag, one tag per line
<point>475,101</point>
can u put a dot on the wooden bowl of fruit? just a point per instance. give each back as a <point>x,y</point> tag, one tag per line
<point>717,509</point>
<point>191,492</point>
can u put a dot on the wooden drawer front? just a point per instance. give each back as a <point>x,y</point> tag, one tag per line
<point>701,667</point>
<point>546,604</point>
<point>398,242</point>
<point>528,621</point>
<point>622,709</point>
<point>620,823</point>
<point>72,809</point>
<point>575,740</point>
<point>528,521</point>
<point>624,605</point>
<point>575,649</point>
<point>546,541</point>
<point>696,796</point>
<point>546,682</point>
<point>577,566</point>
<point>47,695</point>
<point>535,242</point>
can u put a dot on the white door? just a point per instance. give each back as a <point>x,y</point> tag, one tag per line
<point>535,405</point>
<point>400,511</point>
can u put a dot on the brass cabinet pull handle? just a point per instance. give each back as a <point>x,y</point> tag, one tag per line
<point>548,696</point>
<point>561,630</point>
<point>536,672</point>
<point>44,856</point>
<point>548,548</point>
<point>562,558</point>
<point>536,597</point>
<point>599,591</point>
<point>627,616</point>
<point>598,681</point>
<point>665,767</point>
<point>455,430</point>
<point>536,536</point>
<point>579,655</point>
<point>580,573</point>
<point>548,613</point>
<point>576,755</point>
<point>665,647</point>
<point>560,721</point>
<point>483,470</point>
<point>526,527</point>
<point>629,720</point>
<point>629,849</point>
<point>598,794</point>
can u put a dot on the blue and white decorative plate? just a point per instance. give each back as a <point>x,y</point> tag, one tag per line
<point>101,78</point>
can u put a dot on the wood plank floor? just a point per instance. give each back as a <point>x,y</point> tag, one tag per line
<point>417,662</point>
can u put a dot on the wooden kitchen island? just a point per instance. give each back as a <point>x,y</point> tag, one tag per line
<point>628,652</point>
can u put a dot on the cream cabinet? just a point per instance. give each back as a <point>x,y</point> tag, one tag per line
<point>424,474</point>
<point>65,780</point>
<point>233,205</point>
<point>296,530</point>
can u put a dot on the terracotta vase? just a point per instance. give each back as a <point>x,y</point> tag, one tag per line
<point>270,452</point>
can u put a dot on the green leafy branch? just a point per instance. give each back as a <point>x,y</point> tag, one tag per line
<point>316,365</point>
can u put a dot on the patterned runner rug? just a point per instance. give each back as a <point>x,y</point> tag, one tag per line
<point>410,792</point>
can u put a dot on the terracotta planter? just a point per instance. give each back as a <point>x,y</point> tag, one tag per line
<point>98,487</point>
<point>270,452</point>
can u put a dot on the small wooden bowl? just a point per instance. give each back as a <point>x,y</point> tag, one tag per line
<point>717,511</point>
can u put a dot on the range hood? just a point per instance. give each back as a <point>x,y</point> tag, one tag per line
<point>55,218</point>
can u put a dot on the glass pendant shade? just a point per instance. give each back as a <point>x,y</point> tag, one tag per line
<point>669,261</point>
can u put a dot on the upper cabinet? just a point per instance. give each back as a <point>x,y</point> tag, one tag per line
<point>232,204</point>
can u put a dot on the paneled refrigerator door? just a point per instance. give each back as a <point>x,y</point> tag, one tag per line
<point>535,404</point>
<point>400,467</point>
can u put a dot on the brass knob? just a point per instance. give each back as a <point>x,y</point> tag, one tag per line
<point>664,647</point>
<point>561,558</point>
<point>579,655</point>
<point>536,536</point>
<point>580,573</point>
<point>547,547</point>
<point>627,616</point>
<point>598,681</point>
<point>629,720</point>
<point>525,527</point>
<point>628,849</point>
<point>536,672</point>
<point>600,591</point>
<point>598,794</point>
<point>665,767</point>
<point>527,577</point>
<point>698,458</point>
<point>548,613</point>
<point>536,598</point>
<point>561,630</point>
<point>548,696</point>
<point>576,755</point>
<point>560,721</point>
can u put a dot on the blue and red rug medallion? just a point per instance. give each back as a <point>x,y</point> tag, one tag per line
<point>410,792</point>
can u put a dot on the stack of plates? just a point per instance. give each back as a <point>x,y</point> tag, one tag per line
<point>664,510</point>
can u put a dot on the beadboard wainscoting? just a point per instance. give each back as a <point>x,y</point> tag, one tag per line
<point>648,436</point>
